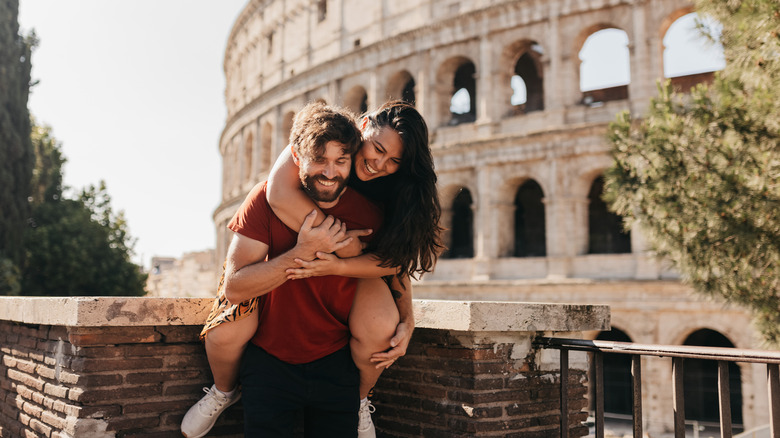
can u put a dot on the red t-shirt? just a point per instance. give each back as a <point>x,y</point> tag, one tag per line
<point>303,320</point>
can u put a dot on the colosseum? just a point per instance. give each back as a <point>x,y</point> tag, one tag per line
<point>519,146</point>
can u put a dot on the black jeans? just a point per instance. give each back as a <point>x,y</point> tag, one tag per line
<point>326,391</point>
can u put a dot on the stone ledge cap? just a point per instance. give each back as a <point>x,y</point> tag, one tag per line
<point>502,316</point>
<point>105,311</point>
<point>487,316</point>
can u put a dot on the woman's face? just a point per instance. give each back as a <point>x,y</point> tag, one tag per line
<point>380,154</point>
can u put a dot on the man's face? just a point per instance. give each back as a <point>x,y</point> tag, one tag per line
<point>324,177</point>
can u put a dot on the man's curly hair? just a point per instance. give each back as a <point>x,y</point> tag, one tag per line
<point>317,123</point>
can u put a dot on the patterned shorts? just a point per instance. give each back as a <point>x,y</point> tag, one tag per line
<point>222,311</point>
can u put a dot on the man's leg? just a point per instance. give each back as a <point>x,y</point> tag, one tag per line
<point>272,393</point>
<point>332,409</point>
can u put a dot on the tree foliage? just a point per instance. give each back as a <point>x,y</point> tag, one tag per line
<point>15,151</point>
<point>74,246</point>
<point>700,172</point>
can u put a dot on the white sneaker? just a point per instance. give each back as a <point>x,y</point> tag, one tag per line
<point>365,424</point>
<point>201,417</point>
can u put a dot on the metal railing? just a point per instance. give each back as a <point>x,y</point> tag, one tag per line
<point>722,355</point>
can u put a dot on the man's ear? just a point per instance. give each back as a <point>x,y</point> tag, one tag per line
<point>296,158</point>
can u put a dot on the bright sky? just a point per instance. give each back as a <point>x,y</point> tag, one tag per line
<point>134,91</point>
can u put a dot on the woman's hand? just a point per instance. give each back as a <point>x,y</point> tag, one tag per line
<point>329,236</point>
<point>324,264</point>
<point>399,343</point>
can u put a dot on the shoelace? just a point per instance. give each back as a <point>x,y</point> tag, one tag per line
<point>365,414</point>
<point>212,402</point>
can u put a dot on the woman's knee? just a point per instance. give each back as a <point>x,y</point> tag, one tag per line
<point>232,334</point>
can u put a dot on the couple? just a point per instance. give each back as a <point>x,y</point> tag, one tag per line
<point>310,319</point>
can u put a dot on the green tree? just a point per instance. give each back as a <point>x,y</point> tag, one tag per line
<point>15,150</point>
<point>700,172</point>
<point>74,246</point>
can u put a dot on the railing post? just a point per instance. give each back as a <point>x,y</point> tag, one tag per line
<point>564,393</point>
<point>773,385</point>
<point>679,399</point>
<point>724,395</point>
<point>598,381</point>
<point>636,387</point>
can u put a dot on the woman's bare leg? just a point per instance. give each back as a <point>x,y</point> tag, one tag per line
<point>372,323</point>
<point>225,345</point>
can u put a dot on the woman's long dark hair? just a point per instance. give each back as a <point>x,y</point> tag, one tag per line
<point>410,236</point>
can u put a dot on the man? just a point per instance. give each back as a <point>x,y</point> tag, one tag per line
<point>299,358</point>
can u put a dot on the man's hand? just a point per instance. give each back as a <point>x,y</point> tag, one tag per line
<point>329,236</point>
<point>399,343</point>
<point>356,247</point>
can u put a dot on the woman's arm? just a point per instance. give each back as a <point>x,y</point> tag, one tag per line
<point>291,204</point>
<point>285,195</point>
<point>362,266</point>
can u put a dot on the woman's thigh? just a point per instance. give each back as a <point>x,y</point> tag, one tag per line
<point>374,312</point>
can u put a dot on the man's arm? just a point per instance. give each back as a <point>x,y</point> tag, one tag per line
<point>248,275</point>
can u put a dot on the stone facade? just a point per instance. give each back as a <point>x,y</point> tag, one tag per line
<point>501,167</point>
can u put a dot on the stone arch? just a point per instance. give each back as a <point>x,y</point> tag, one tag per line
<point>287,123</point>
<point>617,375</point>
<point>521,67</point>
<point>247,157</point>
<point>597,88</point>
<point>700,380</point>
<point>356,100</point>
<point>688,58</point>
<point>402,86</point>
<point>529,221</point>
<point>457,75</point>
<point>459,223</point>
<point>266,146</point>
<point>605,229</point>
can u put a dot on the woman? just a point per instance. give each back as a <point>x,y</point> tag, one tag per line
<point>394,168</point>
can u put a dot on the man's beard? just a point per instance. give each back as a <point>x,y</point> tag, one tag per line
<point>314,191</point>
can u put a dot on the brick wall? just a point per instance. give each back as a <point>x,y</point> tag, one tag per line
<point>452,384</point>
<point>470,370</point>
<point>101,381</point>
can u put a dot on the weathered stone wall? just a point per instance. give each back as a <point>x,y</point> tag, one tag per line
<point>131,367</point>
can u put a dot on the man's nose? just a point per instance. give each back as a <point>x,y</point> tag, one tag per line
<point>329,171</point>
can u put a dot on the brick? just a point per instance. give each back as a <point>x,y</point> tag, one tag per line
<point>179,333</point>
<point>87,336</point>
<point>185,362</point>
<point>26,366</point>
<point>26,379</point>
<point>137,391</point>
<point>164,376</point>
<point>56,390</point>
<point>40,427</point>
<point>130,424</point>
<point>32,409</point>
<point>96,364</point>
<point>157,408</point>
<point>54,420</point>
<point>45,372</point>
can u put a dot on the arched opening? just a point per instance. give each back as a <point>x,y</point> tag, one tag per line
<point>247,158</point>
<point>690,57</point>
<point>356,100</point>
<point>401,86</point>
<point>266,153</point>
<point>618,397</point>
<point>529,221</point>
<point>462,232</point>
<point>700,381</point>
<point>605,229</point>
<point>407,94</point>
<point>287,123</point>
<point>527,82</point>
<point>463,102</point>
<point>605,66</point>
